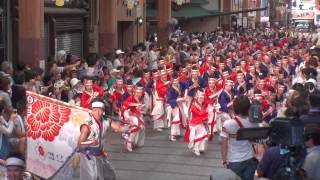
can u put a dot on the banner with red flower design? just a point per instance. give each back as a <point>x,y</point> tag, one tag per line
<point>53,130</point>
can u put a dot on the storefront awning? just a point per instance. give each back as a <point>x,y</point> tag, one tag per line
<point>199,1</point>
<point>64,11</point>
<point>198,12</point>
<point>241,11</point>
<point>186,12</point>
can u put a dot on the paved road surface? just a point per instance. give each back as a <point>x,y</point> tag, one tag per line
<point>161,159</point>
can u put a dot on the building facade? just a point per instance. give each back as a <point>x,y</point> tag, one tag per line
<point>205,15</point>
<point>32,31</point>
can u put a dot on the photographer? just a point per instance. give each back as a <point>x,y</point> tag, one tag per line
<point>238,155</point>
<point>313,115</point>
<point>273,159</point>
<point>312,141</point>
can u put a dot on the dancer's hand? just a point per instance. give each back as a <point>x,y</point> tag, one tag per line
<point>180,99</point>
<point>105,153</point>
<point>95,142</point>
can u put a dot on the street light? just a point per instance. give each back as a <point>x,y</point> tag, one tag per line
<point>140,21</point>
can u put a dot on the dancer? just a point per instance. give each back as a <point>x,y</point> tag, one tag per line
<point>177,103</point>
<point>91,92</point>
<point>211,97</point>
<point>133,116</point>
<point>93,162</point>
<point>196,134</point>
<point>159,110</point>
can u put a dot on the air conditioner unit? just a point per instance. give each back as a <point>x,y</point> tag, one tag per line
<point>93,31</point>
<point>93,39</point>
<point>93,46</point>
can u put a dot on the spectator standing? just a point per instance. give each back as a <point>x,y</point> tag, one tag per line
<point>312,161</point>
<point>7,70</point>
<point>313,115</point>
<point>119,59</point>
<point>238,155</point>
<point>273,159</point>
<point>17,138</point>
<point>153,57</point>
<point>4,94</point>
<point>18,90</point>
<point>6,129</point>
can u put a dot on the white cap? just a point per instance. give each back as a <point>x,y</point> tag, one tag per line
<point>74,81</point>
<point>97,104</point>
<point>119,51</point>
<point>195,41</point>
<point>313,81</point>
<point>60,55</point>
<point>115,70</point>
<point>13,161</point>
<point>58,84</point>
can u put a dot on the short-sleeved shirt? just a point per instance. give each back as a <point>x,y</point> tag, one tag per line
<point>238,151</point>
<point>312,163</point>
<point>117,63</point>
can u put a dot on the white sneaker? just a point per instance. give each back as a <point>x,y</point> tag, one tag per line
<point>196,152</point>
<point>129,147</point>
<point>172,138</point>
<point>125,136</point>
<point>159,130</point>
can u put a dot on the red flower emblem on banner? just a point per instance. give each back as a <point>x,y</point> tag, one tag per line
<point>45,120</point>
<point>41,151</point>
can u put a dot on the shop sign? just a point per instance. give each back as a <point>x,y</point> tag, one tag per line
<point>302,14</point>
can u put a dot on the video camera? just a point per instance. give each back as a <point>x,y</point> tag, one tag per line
<point>287,133</point>
<point>282,131</point>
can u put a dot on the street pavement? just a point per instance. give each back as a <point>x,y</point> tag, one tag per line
<point>161,159</point>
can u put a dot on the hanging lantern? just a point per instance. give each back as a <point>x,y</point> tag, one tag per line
<point>130,4</point>
<point>179,2</point>
<point>59,3</point>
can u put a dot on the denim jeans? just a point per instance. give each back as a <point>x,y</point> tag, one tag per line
<point>244,169</point>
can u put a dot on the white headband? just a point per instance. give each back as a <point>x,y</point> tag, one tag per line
<point>97,104</point>
<point>13,161</point>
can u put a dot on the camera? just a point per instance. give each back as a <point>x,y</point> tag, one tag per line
<point>286,132</point>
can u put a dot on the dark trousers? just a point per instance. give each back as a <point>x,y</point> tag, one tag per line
<point>244,169</point>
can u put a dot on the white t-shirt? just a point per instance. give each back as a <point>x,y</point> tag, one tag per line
<point>238,150</point>
<point>153,56</point>
<point>116,63</point>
